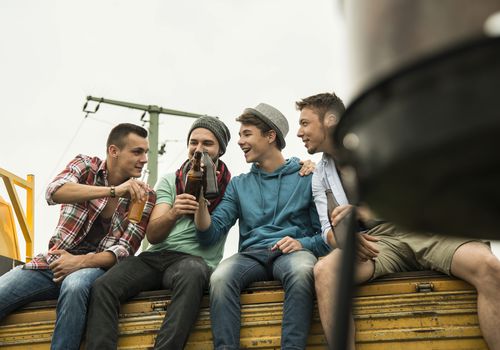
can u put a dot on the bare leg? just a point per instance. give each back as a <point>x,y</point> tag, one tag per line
<point>326,273</point>
<point>474,263</point>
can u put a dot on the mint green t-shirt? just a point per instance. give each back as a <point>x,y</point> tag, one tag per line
<point>183,237</point>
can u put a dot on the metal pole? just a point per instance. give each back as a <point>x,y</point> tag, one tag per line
<point>147,108</point>
<point>152,158</point>
<point>154,113</point>
<point>30,216</point>
<point>25,221</point>
<point>153,148</point>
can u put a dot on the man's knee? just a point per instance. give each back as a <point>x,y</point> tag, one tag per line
<point>195,267</point>
<point>320,269</point>
<point>475,263</point>
<point>218,277</point>
<point>221,280</point>
<point>103,288</point>
<point>75,290</point>
<point>302,274</point>
<point>489,271</point>
<point>193,271</point>
<point>75,285</point>
<point>297,271</point>
<point>327,266</point>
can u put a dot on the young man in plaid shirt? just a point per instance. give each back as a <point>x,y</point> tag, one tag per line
<point>92,235</point>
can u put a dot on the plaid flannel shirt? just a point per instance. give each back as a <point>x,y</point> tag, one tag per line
<point>75,221</point>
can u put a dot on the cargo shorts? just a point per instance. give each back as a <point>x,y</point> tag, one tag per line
<point>409,251</point>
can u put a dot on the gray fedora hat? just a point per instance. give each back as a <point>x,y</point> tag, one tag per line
<point>273,118</point>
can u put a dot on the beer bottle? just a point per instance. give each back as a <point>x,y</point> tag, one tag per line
<point>194,177</point>
<point>210,189</point>
<point>137,207</point>
<point>341,231</point>
<point>331,204</point>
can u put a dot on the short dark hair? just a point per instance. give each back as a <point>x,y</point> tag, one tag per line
<point>250,119</point>
<point>120,132</point>
<point>323,103</point>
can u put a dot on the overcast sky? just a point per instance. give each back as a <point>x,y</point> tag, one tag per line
<point>210,57</point>
<point>207,57</point>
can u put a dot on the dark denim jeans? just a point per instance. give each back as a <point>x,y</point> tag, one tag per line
<point>19,287</point>
<point>294,270</point>
<point>186,275</point>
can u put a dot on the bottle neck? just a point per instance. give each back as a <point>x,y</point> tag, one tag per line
<point>196,166</point>
<point>197,161</point>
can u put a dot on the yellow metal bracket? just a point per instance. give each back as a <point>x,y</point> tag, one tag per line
<point>26,221</point>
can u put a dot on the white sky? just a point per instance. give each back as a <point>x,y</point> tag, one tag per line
<point>209,57</point>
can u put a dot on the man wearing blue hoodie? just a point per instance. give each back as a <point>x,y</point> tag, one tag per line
<point>279,232</point>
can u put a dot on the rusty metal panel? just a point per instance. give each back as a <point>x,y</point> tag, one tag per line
<point>417,311</point>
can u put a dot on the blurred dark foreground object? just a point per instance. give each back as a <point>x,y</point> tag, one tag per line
<point>421,143</point>
<point>425,142</point>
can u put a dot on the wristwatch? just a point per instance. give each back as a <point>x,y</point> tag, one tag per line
<point>112,193</point>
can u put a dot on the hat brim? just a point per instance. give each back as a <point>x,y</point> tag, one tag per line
<point>268,122</point>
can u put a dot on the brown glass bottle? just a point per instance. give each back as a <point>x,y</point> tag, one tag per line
<point>342,228</point>
<point>331,204</point>
<point>210,188</point>
<point>194,177</point>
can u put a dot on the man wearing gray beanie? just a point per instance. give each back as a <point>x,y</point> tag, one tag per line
<point>279,232</point>
<point>218,128</point>
<point>174,261</point>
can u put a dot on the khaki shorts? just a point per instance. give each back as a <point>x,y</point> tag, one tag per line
<point>408,251</point>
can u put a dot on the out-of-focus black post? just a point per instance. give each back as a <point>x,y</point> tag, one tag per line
<point>345,292</point>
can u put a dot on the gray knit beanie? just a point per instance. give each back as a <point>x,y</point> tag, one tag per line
<point>216,126</point>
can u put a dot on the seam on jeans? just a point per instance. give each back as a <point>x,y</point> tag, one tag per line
<point>248,269</point>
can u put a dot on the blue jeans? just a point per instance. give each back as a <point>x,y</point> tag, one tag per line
<point>294,270</point>
<point>19,287</point>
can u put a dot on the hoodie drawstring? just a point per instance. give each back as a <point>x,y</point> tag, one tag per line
<point>261,196</point>
<point>277,196</point>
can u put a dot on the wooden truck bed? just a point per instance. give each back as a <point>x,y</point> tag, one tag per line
<point>419,310</point>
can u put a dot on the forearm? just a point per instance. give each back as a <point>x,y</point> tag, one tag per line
<point>159,228</point>
<point>202,218</point>
<point>72,192</point>
<point>103,260</point>
<point>331,239</point>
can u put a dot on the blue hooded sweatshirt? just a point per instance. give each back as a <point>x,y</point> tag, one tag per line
<point>269,206</point>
